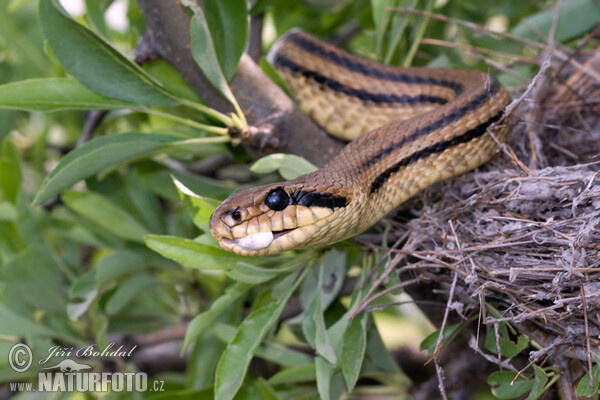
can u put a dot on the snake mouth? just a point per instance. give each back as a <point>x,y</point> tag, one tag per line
<point>278,234</point>
<point>256,241</point>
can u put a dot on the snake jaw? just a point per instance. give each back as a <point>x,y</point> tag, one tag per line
<point>274,218</point>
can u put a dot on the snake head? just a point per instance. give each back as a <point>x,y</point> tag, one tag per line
<point>274,218</point>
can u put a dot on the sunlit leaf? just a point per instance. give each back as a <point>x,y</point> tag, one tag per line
<point>88,58</point>
<point>289,166</point>
<point>54,94</point>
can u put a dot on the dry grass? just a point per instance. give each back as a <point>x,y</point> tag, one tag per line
<point>522,234</point>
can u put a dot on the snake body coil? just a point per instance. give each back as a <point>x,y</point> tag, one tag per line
<point>423,125</point>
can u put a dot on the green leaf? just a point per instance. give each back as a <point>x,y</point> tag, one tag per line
<point>431,340</point>
<point>301,373</point>
<point>282,355</point>
<point>324,372</point>
<point>228,24</point>
<point>249,273</point>
<point>10,171</point>
<point>97,155</point>
<point>147,206</point>
<point>54,94</point>
<point>289,166</point>
<point>266,391</point>
<point>204,320</point>
<point>508,348</point>
<point>236,358</point>
<point>539,383</point>
<point>95,63</point>
<point>272,73</point>
<point>105,214</point>
<point>503,388</point>
<point>8,212</point>
<point>273,352</point>
<point>205,394</point>
<point>202,361</point>
<point>201,208</point>
<point>354,345</point>
<point>192,254</point>
<point>584,388</point>
<point>160,180</point>
<point>381,18</point>
<point>205,55</point>
<point>127,291</point>
<point>576,18</point>
<point>82,292</point>
<point>380,357</point>
<point>398,26</point>
<point>115,265</point>
<point>333,264</point>
<point>13,324</point>
<point>34,275</point>
<point>313,325</point>
<point>95,10</point>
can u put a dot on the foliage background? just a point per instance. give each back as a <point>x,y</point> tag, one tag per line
<point>112,259</point>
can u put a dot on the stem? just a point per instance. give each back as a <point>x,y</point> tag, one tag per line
<point>218,139</point>
<point>208,111</point>
<point>185,121</point>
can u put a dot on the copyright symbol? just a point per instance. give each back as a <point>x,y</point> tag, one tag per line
<point>20,357</point>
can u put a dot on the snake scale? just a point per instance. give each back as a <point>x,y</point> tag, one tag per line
<point>410,128</point>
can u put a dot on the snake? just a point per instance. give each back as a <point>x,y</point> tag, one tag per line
<point>408,128</point>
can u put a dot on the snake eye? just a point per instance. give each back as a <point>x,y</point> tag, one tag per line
<point>277,199</point>
<point>236,215</point>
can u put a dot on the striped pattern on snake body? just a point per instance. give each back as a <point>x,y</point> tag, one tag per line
<point>410,128</point>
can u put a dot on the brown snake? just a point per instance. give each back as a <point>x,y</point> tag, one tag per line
<point>423,125</point>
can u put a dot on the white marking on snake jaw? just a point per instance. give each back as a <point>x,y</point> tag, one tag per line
<point>255,241</point>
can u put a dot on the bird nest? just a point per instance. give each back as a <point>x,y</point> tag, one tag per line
<point>521,234</point>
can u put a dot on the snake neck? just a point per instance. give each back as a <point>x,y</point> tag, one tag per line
<point>424,125</point>
<point>417,126</point>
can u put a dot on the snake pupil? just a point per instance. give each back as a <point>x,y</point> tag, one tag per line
<point>236,214</point>
<point>277,199</point>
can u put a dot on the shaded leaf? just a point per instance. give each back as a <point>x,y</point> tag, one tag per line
<point>13,324</point>
<point>508,348</point>
<point>584,388</point>
<point>353,349</point>
<point>116,265</point>
<point>127,291</point>
<point>324,372</point>
<point>313,325</point>
<point>105,214</point>
<point>301,373</point>
<point>586,13</point>
<point>204,320</point>
<point>503,386</point>
<point>205,55</point>
<point>97,155</point>
<point>236,358</point>
<point>228,24</point>
<point>539,383</point>
<point>10,171</point>
<point>431,340</point>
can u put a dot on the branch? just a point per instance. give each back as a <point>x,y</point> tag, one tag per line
<point>266,106</point>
